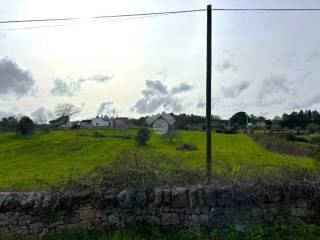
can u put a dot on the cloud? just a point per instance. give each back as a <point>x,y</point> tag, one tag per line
<point>14,80</point>
<point>307,104</point>
<point>157,95</point>
<point>235,90</point>
<point>154,88</point>
<point>314,55</point>
<point>2,35</point>
<point>69,88</point>
<point>42,114</point>
<point>184,87</point>
<point>201,104</point>
<point>273,85</point>
<point>62,88</point>
<point>4,113</point>
<point>225,66</point>
<point>105,107</point>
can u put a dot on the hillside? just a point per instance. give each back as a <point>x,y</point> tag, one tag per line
<point>47,157</point>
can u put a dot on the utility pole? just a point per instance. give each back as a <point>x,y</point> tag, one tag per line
<point>208,93</point>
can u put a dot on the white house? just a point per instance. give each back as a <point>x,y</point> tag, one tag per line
<point>102,121</point>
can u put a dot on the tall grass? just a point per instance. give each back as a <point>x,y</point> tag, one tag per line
<point>277,230</point>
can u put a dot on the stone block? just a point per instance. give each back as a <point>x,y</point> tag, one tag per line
<point>179,198</point>
<point>36,228</point>
<point>167,196</point>
<point>210,197</point>
<point>19,230</point>
<point>86,213</point>
<point>25,220</point>
<point>152,219</point>
<point>4,221</point>
<point>299,212</point>
<point>170,219</point>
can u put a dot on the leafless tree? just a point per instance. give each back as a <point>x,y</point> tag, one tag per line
<point>40,119</point>
<point>66,110</point>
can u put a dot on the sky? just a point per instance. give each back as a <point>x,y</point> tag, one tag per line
<point>264,63</point>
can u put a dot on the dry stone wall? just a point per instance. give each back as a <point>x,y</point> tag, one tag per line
<point>27,213</point>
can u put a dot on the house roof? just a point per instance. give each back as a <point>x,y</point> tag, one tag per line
<point>86,121</point>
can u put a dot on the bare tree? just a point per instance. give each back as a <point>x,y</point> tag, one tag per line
<point>40,119</point>
<point>66,110</point>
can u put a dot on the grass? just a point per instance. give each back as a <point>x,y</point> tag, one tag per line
<point>31,162</point>
<point>277,230</point>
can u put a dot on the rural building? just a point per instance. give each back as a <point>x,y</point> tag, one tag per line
<point>102,121</point>
<point>75,124</point>
<point>60,122</point>
<point>86,124</point>
<point>261,124</point>
<point>122,123</point>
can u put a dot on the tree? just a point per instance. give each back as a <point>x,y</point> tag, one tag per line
<point>9,124</point>
<point>66,110</point>
<point>239,119</point>
<point>25,126</point>
<point>143,136</point>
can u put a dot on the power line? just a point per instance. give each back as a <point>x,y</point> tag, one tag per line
<point>266,9</point>
<point>66,25</point>
<point>158,13</point>
<point>100,17</point>
<point>136,16</point>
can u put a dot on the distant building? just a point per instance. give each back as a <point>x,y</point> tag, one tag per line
<point>261,124</point>
<point>122,123</point>
<point>73,125</point>
<point>102,121</point>
<point>60,122</point>
<point>86,123</point>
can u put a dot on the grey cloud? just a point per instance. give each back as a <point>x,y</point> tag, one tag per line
<point>184,87</point>
<point>314,55</point>
<point>4,113</point>
<point>69,88</point>
<point>105,107</point>
<point>270,102</point>
<point>154,88</point>
<point>235,90</point>
<point>42,114</point>
<point>314,100</point>
<point>157,95</point>
<point>14,80</point>
<point>62,88</point>
<point>226,65</point>
<point>273,85</point>
<point>201,104</point>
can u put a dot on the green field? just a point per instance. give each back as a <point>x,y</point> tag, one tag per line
<point>49,156</point>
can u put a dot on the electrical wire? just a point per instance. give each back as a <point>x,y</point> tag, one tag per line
<point>125,17</point>
<point>99,17</point>
<point>66,25</point>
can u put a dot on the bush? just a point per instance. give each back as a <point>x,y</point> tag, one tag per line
<point>315,140</point>
<point>312,128</point>
<point>187,146</point>
<point>143,136</point>
<point>26,126</point>
<point>281,145</point>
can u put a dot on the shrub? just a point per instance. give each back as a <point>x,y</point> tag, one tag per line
<point>312,128</point>
<point>315,140</point>
<point>278,144</point>
<point>143,136</point>
<point>26,126</point>
<point>187,146</point>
